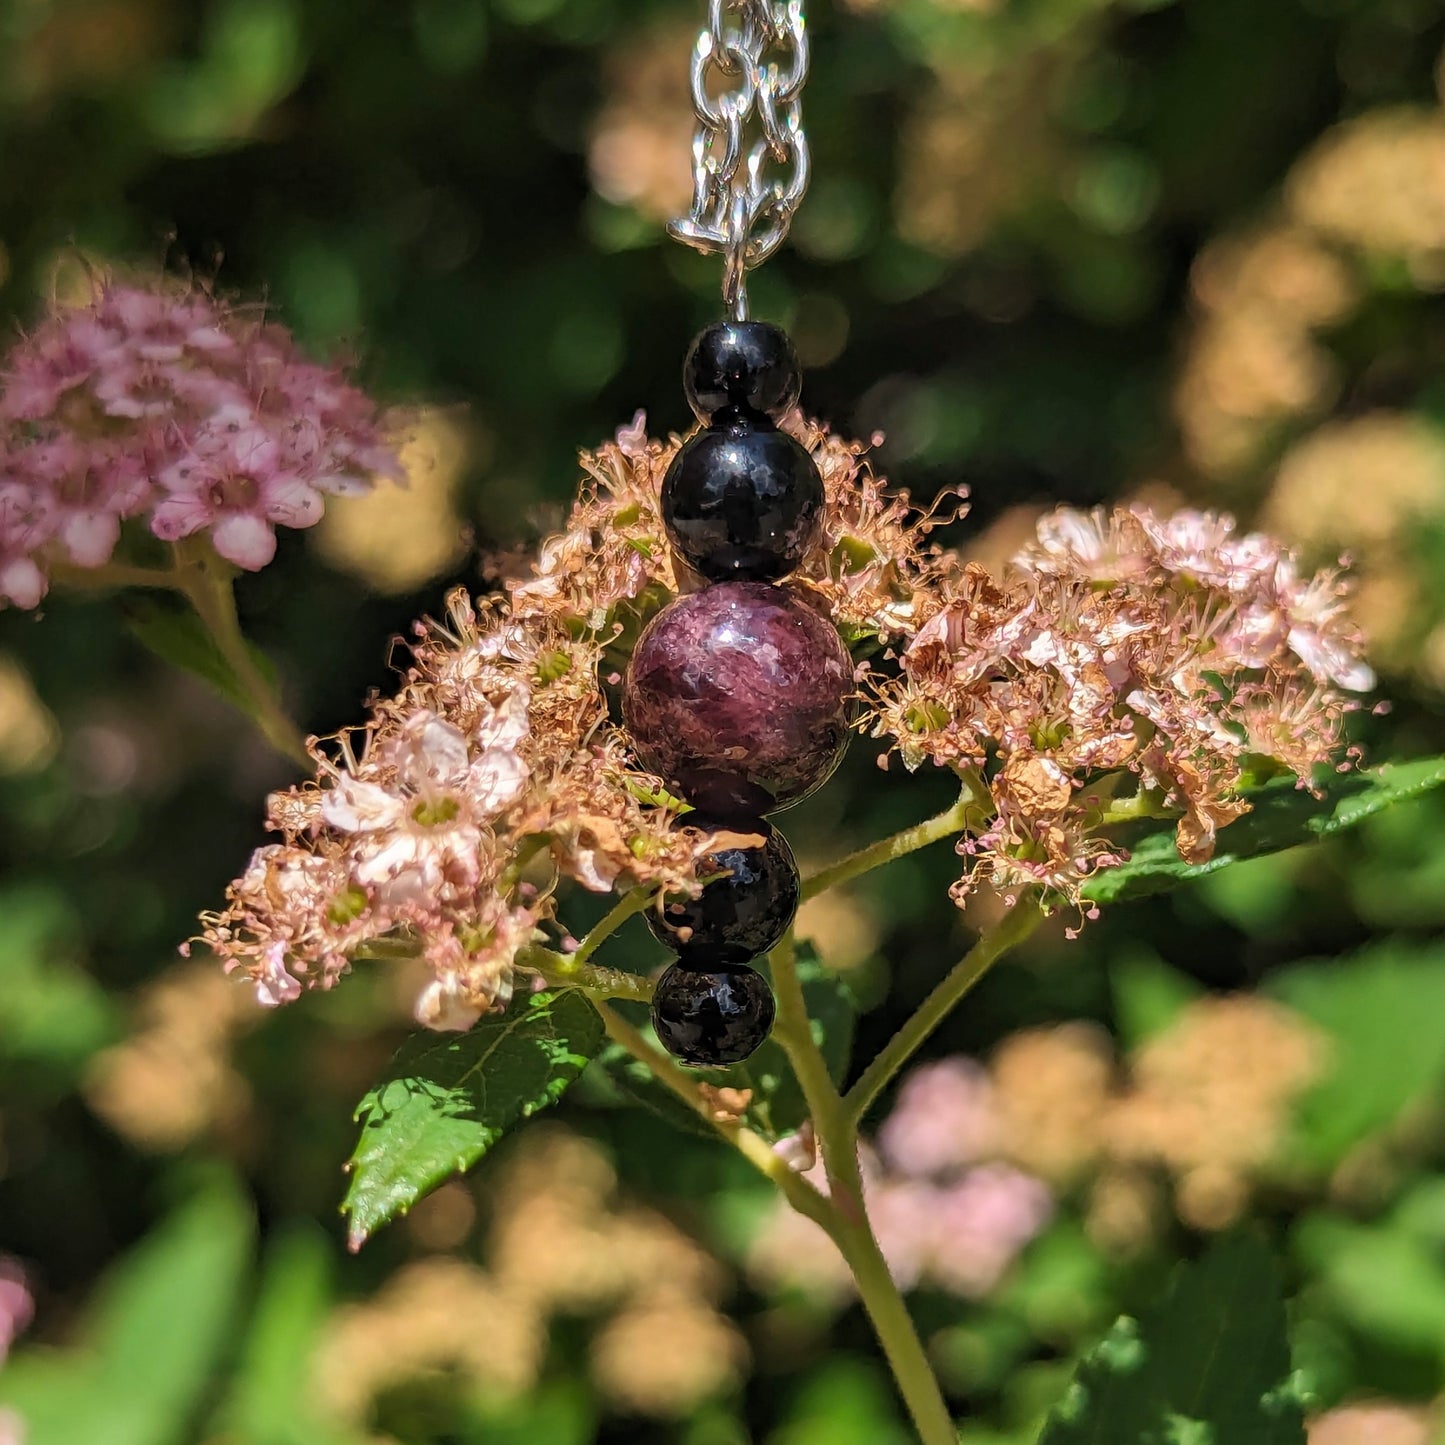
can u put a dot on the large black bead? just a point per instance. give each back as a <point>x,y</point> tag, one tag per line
<point>742,500</point>
<point>742,366</point>
<point>746,910</point>
<point>709,1013</point>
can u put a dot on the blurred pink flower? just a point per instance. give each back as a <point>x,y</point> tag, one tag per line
<point>941,1217</point>
<point>943,1119</point>
<point>981,1222</point>
<point>17,1307</point>
<point>163,402</point>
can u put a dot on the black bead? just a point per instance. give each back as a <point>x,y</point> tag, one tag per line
<point>708,1012</point>
<point>741,914</point>
<point>742,500</point>
<point>742,366</point>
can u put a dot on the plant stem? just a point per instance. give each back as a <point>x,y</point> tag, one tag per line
<point>210,592</point>
<point>633,901</point>
<point>1012,928</point>
<point>847,1220</point>
<point>906,1356</point>
<point>800,1194</point>
<point>875,855</point>
<point>564,970</point>
<point>111,574</point>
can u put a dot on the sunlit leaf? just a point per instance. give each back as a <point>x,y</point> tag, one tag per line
<point>1284,816</point>
<point>448,1098</point>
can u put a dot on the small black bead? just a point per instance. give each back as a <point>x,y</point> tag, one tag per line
<point>708,1012</point>
<point>742,366</point>
<point>741,914</point>
<point>742,500</point>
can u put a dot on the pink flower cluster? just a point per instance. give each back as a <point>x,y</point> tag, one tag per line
<point>160,402</point>
<point>1173,649</point>
<point>946,1212</point>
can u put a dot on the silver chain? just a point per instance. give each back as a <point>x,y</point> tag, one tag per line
<point>744,195</point>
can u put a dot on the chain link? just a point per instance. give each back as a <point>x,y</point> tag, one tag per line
<point>745,190</point>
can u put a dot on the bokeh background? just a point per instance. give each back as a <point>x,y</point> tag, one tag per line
<point>1057,250</point>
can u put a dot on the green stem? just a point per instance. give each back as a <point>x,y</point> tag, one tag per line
<point>633,901</point>
<point>111,574</point>
<point>910,840</point>
<point>906,1356</point>
<point>799,1193</point>
<point>563,970</point>
<point>847,1220</point>
<point>210,592</point>
<point>1012,928</point>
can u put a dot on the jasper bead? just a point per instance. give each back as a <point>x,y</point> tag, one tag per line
<point>742,912</point>
<point>741,366</point>
<point>737,696</point>
<point>708,1012</point>
<point>742,500</point>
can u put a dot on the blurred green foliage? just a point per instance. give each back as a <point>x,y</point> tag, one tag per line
<point>994,268</point>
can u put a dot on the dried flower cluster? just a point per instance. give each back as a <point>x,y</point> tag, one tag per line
<point>162,403</point>
<point>1123,660</point>
<point>444,824</point>
<point>1172,659</point>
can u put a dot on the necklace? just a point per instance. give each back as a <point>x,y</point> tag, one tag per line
<point>737,693</point>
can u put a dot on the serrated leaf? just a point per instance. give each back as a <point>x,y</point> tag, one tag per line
<point>1381,1009</point>
<point>449,1097</point>
<point>1284,816</point>
<point>179,637</point>
<point>1210,1365</point>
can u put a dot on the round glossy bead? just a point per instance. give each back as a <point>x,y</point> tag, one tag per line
<point>742,500</point>
<point>737,697</point>
<point>747,366</point>
<point>744,911</point>
<point>708,1012</point>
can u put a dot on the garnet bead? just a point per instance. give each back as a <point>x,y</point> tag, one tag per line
<point>742,499</point>
<point>737,697</point>
<point>742,366</point>
<point>709,1012</point>
<point>742,913</point>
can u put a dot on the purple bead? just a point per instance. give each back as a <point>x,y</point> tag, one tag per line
<point>737,697</point>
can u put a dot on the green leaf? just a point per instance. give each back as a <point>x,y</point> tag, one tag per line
<point>179,637</point>
<point>1381,1009</point>
<point>153,1340</point>
<point>271,1400</point>
<point>1284,816</point>
<point>450,1097</point>
<point>1148,995</point>
<point>53,1015</point>
<point>1385,1280</point>
<point>1210,1365</point>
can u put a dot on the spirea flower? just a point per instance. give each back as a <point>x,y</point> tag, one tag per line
<point>1122,660</point>
<point>162,403</point>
